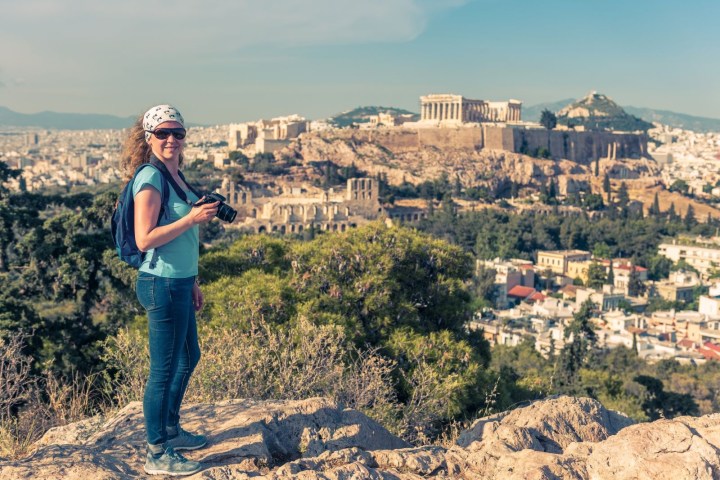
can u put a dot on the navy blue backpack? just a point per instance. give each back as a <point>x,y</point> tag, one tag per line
<point>122,225</point>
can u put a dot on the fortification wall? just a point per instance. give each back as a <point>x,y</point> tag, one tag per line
<point>401,140</point>
<point>462,138</point>
<point>499,138</point>
<point>580,147</point>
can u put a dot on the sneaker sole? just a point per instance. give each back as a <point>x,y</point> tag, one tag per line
<point>184,449</point>
<point>151,471</point>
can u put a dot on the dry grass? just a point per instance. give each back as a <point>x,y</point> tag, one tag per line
<point>30,405</point>
<point>290,362</point>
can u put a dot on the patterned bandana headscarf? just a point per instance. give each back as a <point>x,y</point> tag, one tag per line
<point>159,114</point>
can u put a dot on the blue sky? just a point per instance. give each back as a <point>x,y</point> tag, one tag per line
<point>226,61</point>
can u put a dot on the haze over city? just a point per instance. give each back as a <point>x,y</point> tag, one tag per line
<point>223,61</point>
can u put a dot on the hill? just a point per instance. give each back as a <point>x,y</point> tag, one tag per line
<point>66,121</point>
<point>362,115</point>
<point>599,112</point>
<point>532,113</point>
<point>558,437</point>
<point>677,120</point>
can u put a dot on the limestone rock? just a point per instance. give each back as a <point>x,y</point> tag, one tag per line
<point>246,438</point>
<point>560,438</point>
<point>550,425</point>
<point>666,449</point>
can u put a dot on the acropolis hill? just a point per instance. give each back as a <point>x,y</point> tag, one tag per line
<point>481,144</point>
<point>472,136</point>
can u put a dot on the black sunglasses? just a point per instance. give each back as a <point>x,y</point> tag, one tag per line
<point>164,133</point>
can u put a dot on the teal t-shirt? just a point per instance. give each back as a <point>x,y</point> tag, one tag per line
<point>179,257</point>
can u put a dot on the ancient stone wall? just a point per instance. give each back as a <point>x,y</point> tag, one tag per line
<point>499,138</point>
<point>580,147</point>
<point>467,138</point>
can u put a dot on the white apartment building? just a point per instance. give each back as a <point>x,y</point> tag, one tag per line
<point>702,254</point>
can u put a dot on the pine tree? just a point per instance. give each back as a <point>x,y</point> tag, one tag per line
<point>607,188</point>
<point>623,195</point>
<point>690,221</point>
<point>573,356</point>
<point>654,210</point>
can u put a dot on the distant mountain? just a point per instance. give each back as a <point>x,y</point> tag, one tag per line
<point>673,119</point>
<point>677,120</point>
<point>532,113</point>
<point>599,112</point>
<point>65,121</point>
<point>363,114</point>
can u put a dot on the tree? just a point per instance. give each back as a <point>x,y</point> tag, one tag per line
<point>593,201</point>
<point>661,404</point>
<point>659,267</point>
<point>596,275</point>
<point>548,119</point>
<point>690,221</point>
<point>623,197</point>
<point>580,339</point>
<point>654,209</point>
<point>680,186</point>
<point>601,250</point>
<point>607,187</point>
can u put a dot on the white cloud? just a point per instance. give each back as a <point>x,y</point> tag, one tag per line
<point>223,23</point>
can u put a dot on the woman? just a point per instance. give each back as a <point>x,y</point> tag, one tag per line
<point>166,284</point>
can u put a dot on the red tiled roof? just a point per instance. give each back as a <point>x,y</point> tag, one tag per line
<point>711,346</point>
<point>686,343</point>
<point>708,352</point>
<point>519,291</point>
<point>537,297</point>
<point>635,330</point>
<point>526,266</point>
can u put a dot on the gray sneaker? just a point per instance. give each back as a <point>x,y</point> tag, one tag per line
<point>180,439</point>
<point>170,463</point>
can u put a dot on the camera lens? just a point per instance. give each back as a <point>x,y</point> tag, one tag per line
<point>226,213</point>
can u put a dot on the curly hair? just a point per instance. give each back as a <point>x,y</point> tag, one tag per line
<point>136,150</point>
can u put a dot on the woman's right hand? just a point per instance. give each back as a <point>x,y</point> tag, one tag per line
<point>203,213</point>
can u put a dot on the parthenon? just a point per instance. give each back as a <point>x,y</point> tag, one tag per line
<point>458,109</point>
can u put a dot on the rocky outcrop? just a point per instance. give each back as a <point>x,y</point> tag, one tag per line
<point>492,169</point>
<point>556,438</point>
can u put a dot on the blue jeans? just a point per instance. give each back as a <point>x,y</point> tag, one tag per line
<point>174,350</point>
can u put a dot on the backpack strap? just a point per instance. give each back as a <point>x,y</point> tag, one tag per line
<point>192,189</point>
<point>164,197</point>
<point>169,178</point>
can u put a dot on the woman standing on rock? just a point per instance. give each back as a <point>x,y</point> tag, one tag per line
<point>167,230</point>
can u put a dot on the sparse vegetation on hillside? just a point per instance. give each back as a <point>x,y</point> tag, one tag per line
<point>362,115</point>
<point>598,112</point>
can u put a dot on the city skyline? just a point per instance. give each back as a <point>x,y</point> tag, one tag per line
<point>223,62</point>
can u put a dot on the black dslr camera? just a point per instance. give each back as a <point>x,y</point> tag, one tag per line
<point>225,212</point>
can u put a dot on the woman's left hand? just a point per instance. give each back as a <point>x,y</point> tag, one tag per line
<point>197,297</point>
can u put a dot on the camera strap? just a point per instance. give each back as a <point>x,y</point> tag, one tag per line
<point>169,178</point>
